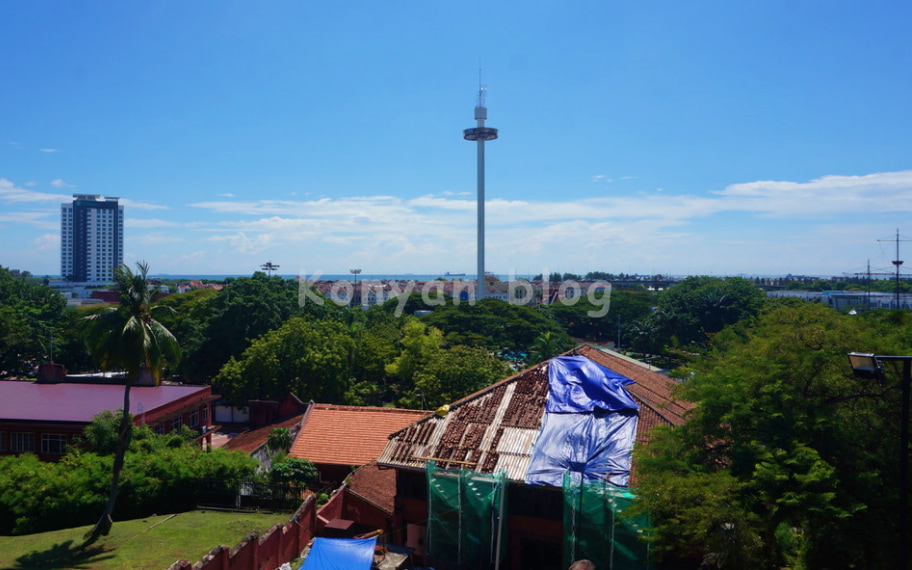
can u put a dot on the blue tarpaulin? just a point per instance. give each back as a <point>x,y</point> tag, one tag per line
<point>589,426</point>
<point>340,554</point>
<point>577,384</point>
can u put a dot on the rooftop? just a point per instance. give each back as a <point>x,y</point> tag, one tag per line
<point>348,435</point>
<point>72,402</point>
<point>250,440</point>
<point>495,428</point>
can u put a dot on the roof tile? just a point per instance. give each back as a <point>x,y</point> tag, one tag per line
<point>495,428</point>
<point>348,435</point>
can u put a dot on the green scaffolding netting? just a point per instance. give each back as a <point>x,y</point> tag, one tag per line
<point>466,516</point>
<point>594,529</point>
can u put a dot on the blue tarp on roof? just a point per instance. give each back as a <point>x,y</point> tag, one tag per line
<point>340,554</point>
<point>577,384</point>
<point>589,426</point>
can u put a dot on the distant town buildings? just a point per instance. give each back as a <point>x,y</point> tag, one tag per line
<point>91,238</point>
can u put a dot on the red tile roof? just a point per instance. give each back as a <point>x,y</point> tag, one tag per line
<point>374,485</point>
<point>71,402</point>
<point>495,428</point>
<point>348,435</point>
<point>250,440</point>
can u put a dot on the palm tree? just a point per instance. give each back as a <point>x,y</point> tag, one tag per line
<point>544,347</point>
<point>129,338</point>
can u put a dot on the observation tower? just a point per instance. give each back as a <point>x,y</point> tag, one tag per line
<point>480,133</point>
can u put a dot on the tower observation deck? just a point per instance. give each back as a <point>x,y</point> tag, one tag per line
<point>479,134</point>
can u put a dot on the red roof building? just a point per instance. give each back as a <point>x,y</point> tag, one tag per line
<point>253,441</point>
<point>337,438</point>
<point>43,418</point>
<point>495,430</point>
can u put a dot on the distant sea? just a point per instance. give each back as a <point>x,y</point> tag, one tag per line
<point>347,276</point>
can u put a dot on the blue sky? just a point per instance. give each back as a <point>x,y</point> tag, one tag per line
<point>694,137</point>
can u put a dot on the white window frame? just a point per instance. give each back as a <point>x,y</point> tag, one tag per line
<point>53,443</point>
<point>22,442</point>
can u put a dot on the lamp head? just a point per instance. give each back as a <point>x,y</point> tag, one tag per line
<point>866,366</point>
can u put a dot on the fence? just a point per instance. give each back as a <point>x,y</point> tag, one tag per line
<point>248,495</point>
<point>283,543</point>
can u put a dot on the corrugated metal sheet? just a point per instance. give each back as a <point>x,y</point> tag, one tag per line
<point>72,402</point>
<point>496,428</point>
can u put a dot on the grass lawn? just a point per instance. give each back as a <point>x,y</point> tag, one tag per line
<point>152,543</point>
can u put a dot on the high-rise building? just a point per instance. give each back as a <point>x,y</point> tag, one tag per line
<point>91,238</point>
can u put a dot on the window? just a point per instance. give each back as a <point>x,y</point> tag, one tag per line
<point>206,413</point>
<point>193,418</point>
<point>22,442</point>
<point>2,441</point>
<point>159,429</point>
<point>53,443</point>
<point>176,422</point>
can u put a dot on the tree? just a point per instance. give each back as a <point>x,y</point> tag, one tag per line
<point>293,471</point>
<point>307,358</point>
<point>375,346</point>
<point>626,307</point>
<point>419,344</point>
<point>245,309</point>
<point>31,315</point>
<point>546,346</point>
<point>786,460</point>
<point>495,325</point>
<point>698,307</point>
<point>452,374</point>
<point>129,338</point>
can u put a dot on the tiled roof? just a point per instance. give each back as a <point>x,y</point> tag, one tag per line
<point>71,402</point>
<point>348,435</point>
<point>251,440</point>
<point>375,485</point>
<point>495,428</point>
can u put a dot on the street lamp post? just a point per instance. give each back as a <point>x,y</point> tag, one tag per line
<point>868,366</point>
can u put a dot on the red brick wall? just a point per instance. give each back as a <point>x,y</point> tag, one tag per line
<point>283,543</point>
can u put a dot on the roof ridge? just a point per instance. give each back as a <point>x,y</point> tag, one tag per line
<point>343,407</point>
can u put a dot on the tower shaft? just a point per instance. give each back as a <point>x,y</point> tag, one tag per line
<point>480,134</point>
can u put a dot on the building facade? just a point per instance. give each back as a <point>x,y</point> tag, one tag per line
<point>91,238</point>
<point>44,417</point>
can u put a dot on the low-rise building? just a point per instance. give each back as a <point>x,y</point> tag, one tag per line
<point>337,439</point>
<point>43,418</point>
<point>504,440</point>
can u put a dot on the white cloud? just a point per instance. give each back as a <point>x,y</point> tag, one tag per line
<point>601,178</point>
<point>728,230</point>
<point>155,238</point>
<point>49,150</point>
<point>128,203</point>
<point>879,192</point>
<point>9,192</point>
<point>47,242</point>
<point>226,195</point>
<point>149,223</point>
<point>244,244</point>
<point>59,183</point>
<point>39,220</point>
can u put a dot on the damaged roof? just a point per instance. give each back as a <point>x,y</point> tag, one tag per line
<point>495,428</point>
